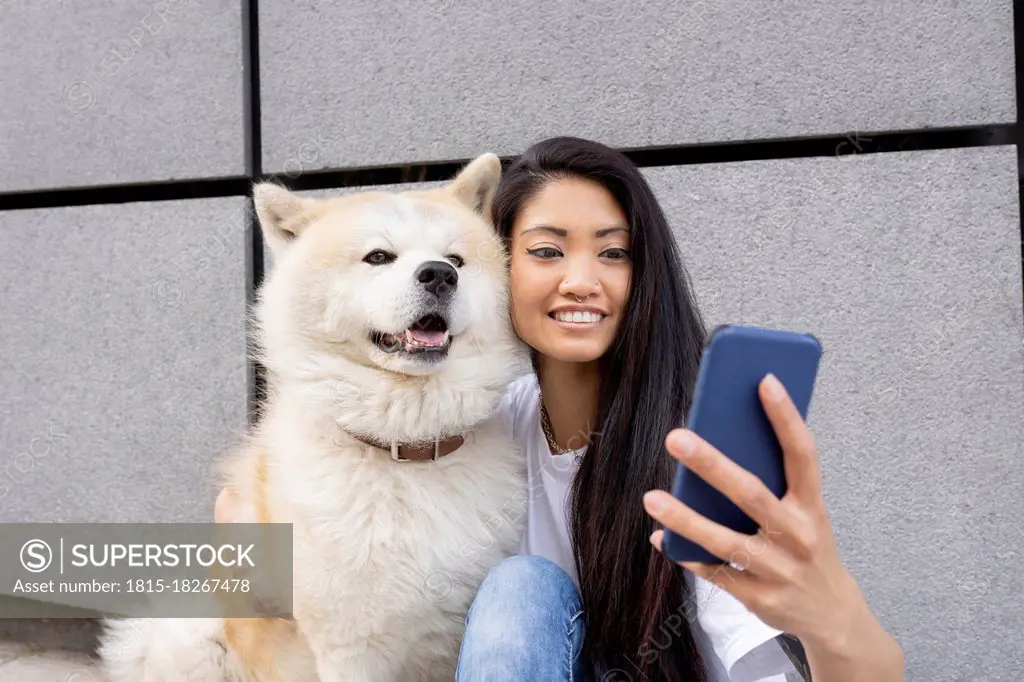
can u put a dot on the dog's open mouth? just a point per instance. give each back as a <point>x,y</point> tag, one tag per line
<point>428,335</point>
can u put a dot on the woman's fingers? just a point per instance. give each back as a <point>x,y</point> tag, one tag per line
<point>803,476</point>
<point>737,581</point>
<point>723,542</point>
<point>743,488</point>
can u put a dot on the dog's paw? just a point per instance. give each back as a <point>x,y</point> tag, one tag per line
<point>167,650</point>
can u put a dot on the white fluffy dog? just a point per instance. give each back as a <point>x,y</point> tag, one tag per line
<point>385,332</point>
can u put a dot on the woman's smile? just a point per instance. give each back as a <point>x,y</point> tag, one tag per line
<point>574,318</point>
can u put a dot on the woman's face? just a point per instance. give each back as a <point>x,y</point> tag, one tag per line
<point>570,241</point>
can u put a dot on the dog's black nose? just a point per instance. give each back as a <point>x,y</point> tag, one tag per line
<point>437,277</point>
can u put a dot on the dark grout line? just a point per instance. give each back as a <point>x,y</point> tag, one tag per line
<point>859,142</point>
<point>854,142</point>
<point>251,84</point>
<point>1018,130</point>
<point>173,190</point>
<point>254,266</point>
<point>1018,62</point>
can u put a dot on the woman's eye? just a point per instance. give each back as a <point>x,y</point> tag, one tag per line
<point>456,260</point>
<point>379,257</point>
<point>544,252</point>
<point>616,253</point>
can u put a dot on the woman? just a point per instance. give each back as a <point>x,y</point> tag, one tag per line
<point>599,294</point>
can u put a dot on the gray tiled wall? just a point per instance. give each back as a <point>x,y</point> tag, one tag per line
<point>123,358</point>
<point>108,91</point>
<point>908,268</point>
<point>364,83</point>
<point>122,336</point>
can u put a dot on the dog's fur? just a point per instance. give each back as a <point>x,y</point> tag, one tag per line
<point>388,555</point>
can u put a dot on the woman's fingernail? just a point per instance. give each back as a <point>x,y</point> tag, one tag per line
<point>683,442</point>
<point>773,387</point>
<point>653,501</point>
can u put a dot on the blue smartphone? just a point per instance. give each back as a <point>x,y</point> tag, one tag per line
<point>728,414</point>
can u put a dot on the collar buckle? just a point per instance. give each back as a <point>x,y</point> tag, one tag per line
<point>396,455</point>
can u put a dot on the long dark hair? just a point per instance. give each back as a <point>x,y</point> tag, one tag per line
<point>636,603</point>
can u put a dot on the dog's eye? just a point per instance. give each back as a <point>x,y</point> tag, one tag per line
<point>456,260</point>
<point>379,257</point>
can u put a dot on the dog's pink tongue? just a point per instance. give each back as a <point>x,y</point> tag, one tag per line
<point>427,337</point>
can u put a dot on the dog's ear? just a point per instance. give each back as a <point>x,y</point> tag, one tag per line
<point>475,184</point>
<point>282,215</point>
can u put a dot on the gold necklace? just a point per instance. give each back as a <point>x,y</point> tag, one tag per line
<point>545,425</point>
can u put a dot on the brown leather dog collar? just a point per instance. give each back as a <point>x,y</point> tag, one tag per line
<point>416,452</point>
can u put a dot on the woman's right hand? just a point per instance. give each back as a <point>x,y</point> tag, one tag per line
<point>225,507</point>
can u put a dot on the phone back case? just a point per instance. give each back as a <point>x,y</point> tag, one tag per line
<point>727,412</point>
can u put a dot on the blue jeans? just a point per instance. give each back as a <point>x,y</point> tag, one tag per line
<point>525,623</point>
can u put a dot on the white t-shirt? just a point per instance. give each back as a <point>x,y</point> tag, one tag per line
<point>736,644</point>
